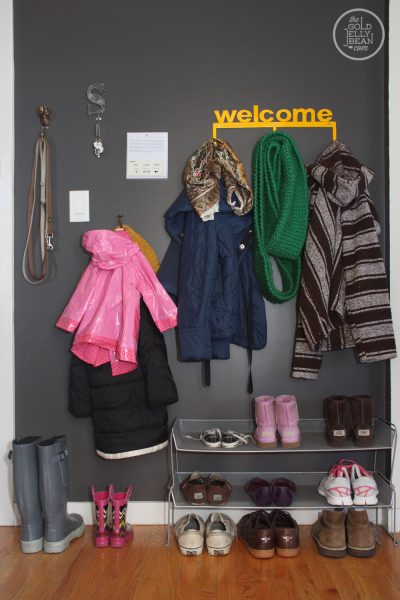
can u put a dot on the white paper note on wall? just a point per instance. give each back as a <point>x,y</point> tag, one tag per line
<point>79,206</point>
<point>147,155</point>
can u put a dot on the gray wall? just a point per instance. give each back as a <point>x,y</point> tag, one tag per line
<point>167,66</point>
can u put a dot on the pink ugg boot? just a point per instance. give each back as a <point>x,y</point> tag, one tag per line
<point>121,533</point>
<point>287,418</point>
<point>102,531</point>
<point>265,432</point>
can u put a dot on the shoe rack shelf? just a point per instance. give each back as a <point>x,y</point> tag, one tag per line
<point>306,498</point>
<point>312,440</point>
<point>312,437</point>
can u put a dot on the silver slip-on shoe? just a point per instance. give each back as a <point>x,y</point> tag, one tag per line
<point>189,533</point>
<point>220,534</point>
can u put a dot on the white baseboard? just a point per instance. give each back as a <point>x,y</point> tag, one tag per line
<point>139,513</point>
<point>156,513</point>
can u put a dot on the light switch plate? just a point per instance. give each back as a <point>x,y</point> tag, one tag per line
<point>79,206</point>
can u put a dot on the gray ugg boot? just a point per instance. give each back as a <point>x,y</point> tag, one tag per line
<point>60,528</point>
<point>26,492</point>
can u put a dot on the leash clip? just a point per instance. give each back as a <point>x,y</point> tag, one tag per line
<point>49,245</point>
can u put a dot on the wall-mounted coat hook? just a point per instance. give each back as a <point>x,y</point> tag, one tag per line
<point>119,226</point>
<point>44,114</point>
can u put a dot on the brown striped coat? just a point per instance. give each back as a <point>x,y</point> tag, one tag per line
<point>343,300</point>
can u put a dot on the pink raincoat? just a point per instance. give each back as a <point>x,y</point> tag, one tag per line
<point>105,304</point>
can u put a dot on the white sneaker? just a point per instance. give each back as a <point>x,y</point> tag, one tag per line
<point>365,490</point>
<point>336,486</point>
<point>210,437</point>
<point>213,438</point>
<point>189,533</point>
<point>231,439</point>
<point>220,534</point>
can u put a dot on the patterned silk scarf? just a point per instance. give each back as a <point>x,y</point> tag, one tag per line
<point>202,174</point>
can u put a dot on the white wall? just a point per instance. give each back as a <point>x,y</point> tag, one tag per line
<point>394,195</point>
<point>6,254</point>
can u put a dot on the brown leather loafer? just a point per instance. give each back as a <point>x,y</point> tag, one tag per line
<point>287,539</point>
<point>256,533</point>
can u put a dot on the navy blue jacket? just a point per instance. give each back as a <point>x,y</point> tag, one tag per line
<point>208,269</point>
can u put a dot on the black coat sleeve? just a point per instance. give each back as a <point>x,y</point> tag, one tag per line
<point>79,390</point>
<point>152,354</point>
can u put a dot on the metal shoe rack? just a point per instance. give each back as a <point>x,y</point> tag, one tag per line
<point>307,496</point>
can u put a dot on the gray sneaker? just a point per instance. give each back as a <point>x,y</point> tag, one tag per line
<point>189,533</point>
<point>220,534</point>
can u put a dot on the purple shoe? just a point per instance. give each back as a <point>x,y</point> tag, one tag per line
<point>259,491</point>
<point>283,491</point>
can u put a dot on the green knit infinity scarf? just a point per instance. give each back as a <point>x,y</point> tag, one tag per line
<point>280,214</point>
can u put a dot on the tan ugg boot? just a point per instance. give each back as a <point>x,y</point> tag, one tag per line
<point>361,534</point>
<point>329,533</point>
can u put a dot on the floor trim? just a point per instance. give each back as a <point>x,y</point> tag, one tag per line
<point>156,513</point>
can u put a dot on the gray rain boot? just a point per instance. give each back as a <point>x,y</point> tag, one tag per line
<point>26,492</point>
<point>60,528</point>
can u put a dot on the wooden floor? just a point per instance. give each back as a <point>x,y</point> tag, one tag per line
<point>147,570</point>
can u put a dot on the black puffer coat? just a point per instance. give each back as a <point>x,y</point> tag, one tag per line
<point>129,412</point>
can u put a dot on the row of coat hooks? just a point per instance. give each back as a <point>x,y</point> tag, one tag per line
<point>96,106</point>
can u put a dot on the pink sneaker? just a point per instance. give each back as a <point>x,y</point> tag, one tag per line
<point>365,490</point>
<point>102,531</point>
<point>265,432</point>
<point>121,533</point>
<point>336,486</point>
<point>287,418</point>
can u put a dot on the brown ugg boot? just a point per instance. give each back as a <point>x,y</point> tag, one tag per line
<point>329,533</point>
<point>360,534</point>
<point>362,415</point>
<point>337,414</point>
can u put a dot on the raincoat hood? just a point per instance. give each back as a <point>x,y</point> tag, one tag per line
<point>109,249</point>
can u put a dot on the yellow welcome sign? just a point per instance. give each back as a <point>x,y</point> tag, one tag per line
<point>284,117</point>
